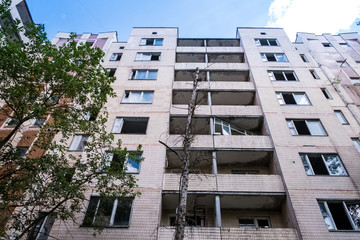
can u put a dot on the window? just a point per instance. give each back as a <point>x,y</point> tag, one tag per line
<point>327,45</point>
<point>356,143</point>
<point>115,57</point>
<point>130,125</point>
<point>151,41</point>
<point>223,128</point>
<point>12,122</point>
<point>77,143</point>
<point>245,171</point>
<point>266,42</point>
<point>355,80</point>
<point>273,57</point>
<point>21,151</point>
<point>42,229</point>
<point>138,97</point>
<point>121,47</point>
<point>144,74</point>
<point>341,215</point>
<point>149,56</point>
<point>345,45</point>
<point>306,127</point>
<point>132,163</point>
<point>342,63</point>
<point>194,218</point>
<point>282,76</point>
<point>108,212</point>
<point>111,71</point>
<point>323,164</point>
<point>304,58</point>
<point>326,93</point>
<point>358,63</point>
<point>254,223</point>
<point>314,74</point>
<point>299,98</point>
<point>341,117</point>
<point>263,33</point>
<point>38,122</point>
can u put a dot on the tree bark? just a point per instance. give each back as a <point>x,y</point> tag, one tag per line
<point>184,179</point>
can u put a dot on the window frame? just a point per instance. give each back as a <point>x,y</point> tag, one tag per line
<point>294,131</point>
<point>143,41</point>
<point>135,72</point>
<point>139,57</point>
<point>42,232</point>
<point>109,156</point>
<point>314,74</point>
<point>309,168</point>
<point>341,117</point>
<point>111,72</point>
<point>326,93</point>
<point>282,100</point>
<point>255,222</point>
<point>283,72</point>
<point>303,57</point>
<point>84,138</point>
<point>326,213</point>
<point>121,124</point>
<point>114,209</point>
<point>264,57</point>
<point>117,57</point>
<point>356,142</point>
<point>128,93</point>
<point>258,42</point>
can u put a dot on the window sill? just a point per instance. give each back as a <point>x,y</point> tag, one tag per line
<point>87,226</point>
<point>148,79</point>
<point>135,103</point>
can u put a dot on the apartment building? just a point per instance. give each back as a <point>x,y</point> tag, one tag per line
<point>275,153</point>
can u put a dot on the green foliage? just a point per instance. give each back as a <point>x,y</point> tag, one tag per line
<point>67,83</point>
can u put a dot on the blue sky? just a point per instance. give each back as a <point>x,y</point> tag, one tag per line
<point>195,18</point>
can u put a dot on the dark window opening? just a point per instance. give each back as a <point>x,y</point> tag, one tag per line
<point>301,128</point>
<point>339,216</point>
<point>326,93</point>
<point>111,71</point>
<point>288,98</point>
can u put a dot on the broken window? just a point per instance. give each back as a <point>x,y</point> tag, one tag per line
<point>273,57</point>
<point>138,97</point>
<point>130,125</point>
<point>131,163</point>
<point>314,74</point>
<point>143,74</point>
<point>326,93</point>
<point>266,42</point>
<point>304,58</point>
<point>42,229</point>
<point>111,71</point>
<point>341,117</point>
<point>77,143</point>
<point>323,164</point>
<point>223,128</point>
<point>108,212</point>
<point>151,42</point>
<point>306,127</point>
<point>293,98</point>
<point>115,57</point>
<point>340,215</point>
<point>147,56</point>
<point>282,76</point>
<point>254,223</point>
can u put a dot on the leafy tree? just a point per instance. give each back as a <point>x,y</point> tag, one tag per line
<point>67,86</point>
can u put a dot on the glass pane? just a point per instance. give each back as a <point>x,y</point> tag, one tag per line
<point>159,42</point>
<point>132,166</point>
<point>134,97</point>
<point>280,98</point>
<point>279,76</point>
<point>263,42</point>
<point>152,75</point>
<point>354,212</point>
<point>147,97</point>
<point>334,165</point>
<point>263,57</point>
<point>301,99</point>
<point>263,223</point>
<point>290,76</point>
<point>104,211</point>
<point>357,144</point>
<point>291,127</point>
<point>140,75</point>
<point>281,57</point>
<point>273,42</point>
<point>315,128</point>
<point>306,164</point>
<point>90,212</point>
<point>226,129</point>
<point>327,219</point>
<point>271,75</point>
<point>122,214</point>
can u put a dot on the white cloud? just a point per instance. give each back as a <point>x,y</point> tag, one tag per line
<point>315,16</point>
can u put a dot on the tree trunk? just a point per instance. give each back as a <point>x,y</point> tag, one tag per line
<point>184,179</point>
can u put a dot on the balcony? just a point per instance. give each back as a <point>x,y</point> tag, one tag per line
<point>229,217</point>
<point>210,57</point>
<point>181,42</point>
<point>221,76</point>
<point>217,233</point>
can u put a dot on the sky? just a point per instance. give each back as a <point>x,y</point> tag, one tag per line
<point>196,18</point>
